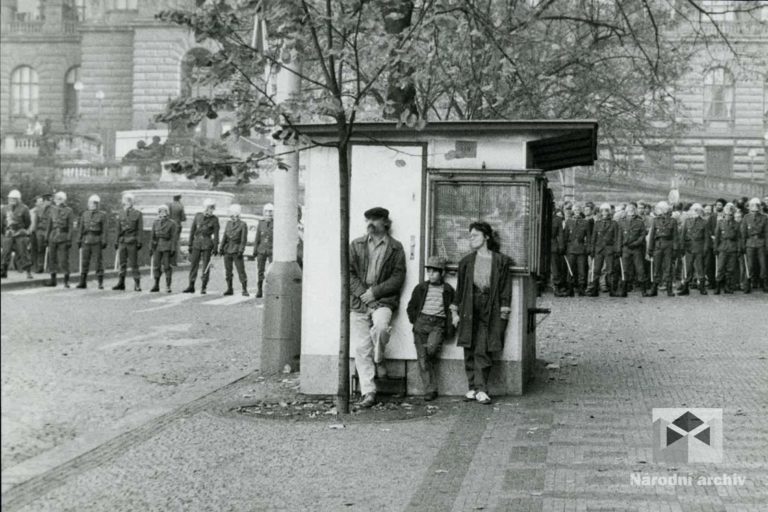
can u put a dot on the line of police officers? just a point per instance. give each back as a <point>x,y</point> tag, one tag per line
<point>52,227</point>
<point>644,251</point>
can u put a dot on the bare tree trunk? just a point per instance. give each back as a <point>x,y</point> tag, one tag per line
<point>342,394</point>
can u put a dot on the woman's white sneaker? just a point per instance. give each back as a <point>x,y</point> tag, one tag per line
<point>470,396</point>
<point>483,397</point>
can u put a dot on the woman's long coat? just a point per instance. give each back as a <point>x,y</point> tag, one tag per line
<point>500,295</point>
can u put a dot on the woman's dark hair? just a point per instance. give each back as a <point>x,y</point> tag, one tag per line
<point>491,235</point>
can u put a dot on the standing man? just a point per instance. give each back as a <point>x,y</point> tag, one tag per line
<point>576,242</point>
<point>559,281</point>
<point>695,239</point>
<point>376,277</point>
<point>60,236</point>
<point>130,224</point>
<point>662,244</point>
<point>41,217</point>
<point>233,248</point>
<point>262,249</point>
<point>92,241</point>
<point>709,260</point>
<point>603,245</point>
<point>203,243</point>
<point>162,247</point>
<point>754,236</point>
<point>16,223</point>
<point>728,246</point>
<point>177,215</point>
<point>632,230</point>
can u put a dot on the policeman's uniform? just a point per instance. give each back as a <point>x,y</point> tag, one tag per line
<point>203,241</point>
<point>576,240</point>
<point>558,272</point>
<point>663,245</point>
<point>177,214</point>
<point>754,234</point>
<point>604,244</point>
<point>233,247</point>
<point>632,241</point>
<point>262,249</point>
<point>16,220</point>
<point>727,245</point>
<point>695,238</point>
<point>163,245</point>
<point>130,224</point>
<point>60,236</point>
<point>93,241</point>
<point>42,217</point>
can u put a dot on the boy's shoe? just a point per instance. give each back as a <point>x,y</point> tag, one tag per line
<point>369,400</point>
<point>430,396</point>
<point>470,396</point>
<point>483,397</point>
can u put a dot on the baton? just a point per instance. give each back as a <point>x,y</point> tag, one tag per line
<point>591,269</point>
<point>117,260</point>
<point>716,267</point>
<point>621,264</point>
<point>685,269</point>
<point>208,266</point>
<point>651,268</point>
<point>152,262</point>
<point>80,260</point>
<point>746,267</point>
<point>568,265</point>
<point>45,259</point>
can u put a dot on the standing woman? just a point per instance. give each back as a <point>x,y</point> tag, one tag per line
<point>481,307</point>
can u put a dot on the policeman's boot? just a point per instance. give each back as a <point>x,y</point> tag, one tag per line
<point>120,284</point>
<point>569,290</point>
<point>51,281</point>
<point>702,287</point>
<point>259,293</point>
<point>654,291</point>
<point>136,285</point>
<point>684,289</point>
<point>245,289</point>
<point>718,287</point>
<point>66,280</point>
<point>190,288</point>
<point>670,290</point>
<point>101,282</point>
<point>229,291</point>
<point>4,273</point>
<point>594,289</point>
<point>747,286</point>
<point>29,274</point>
<point>156,287</point>
<point>168,283</point>
<point>81,283</point>
<point>204,287</point>
<point>765,285</point>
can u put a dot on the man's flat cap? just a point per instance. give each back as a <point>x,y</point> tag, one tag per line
<point>377,213</point>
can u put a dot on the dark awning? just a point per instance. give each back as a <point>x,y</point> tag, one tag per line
<point>578,147</point>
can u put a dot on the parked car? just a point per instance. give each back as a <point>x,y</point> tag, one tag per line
<point>149,200</point>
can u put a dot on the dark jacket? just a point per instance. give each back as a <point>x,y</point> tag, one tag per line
<point>416,304</point>
<point>632,231</point>
<point>204,232</point>
<point>557,235</point>
<point>176,213</point>
<point>664,232</point>
<point>164,234</point>
<point>605,237</point>
<point>754,230</point>
<point>727,236</point>
<point>16,220</point>
<point>500,295</point>
<point>576,236</point>
<point>60,229</point>
<point>695,236</point>
<point>93,228</point>
<point>235,237</point>
<point>130,224</point>
<point>264,237</point>
<point>391,278</point>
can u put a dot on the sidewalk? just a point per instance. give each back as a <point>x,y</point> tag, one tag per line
<point>571,444</point>
<point>18,280</point>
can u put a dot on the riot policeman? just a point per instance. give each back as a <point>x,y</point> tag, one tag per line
<point>130,226</point>
<point>16,223</point>
<point>203,243</point>
<point>60,236</point>
<point>92,241</point>
<point>695,240</point>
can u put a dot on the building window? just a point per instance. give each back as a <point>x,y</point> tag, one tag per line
<point>70,92</point>
<point>194,73</point>
<point>719,161</point>
<point>456,204</point>
<point>123,5</point>
<point>718,95</point>
<point>24,92</point>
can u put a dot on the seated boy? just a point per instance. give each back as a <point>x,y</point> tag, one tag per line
<point>428,310</point>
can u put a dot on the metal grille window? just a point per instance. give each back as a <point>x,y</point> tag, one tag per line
<point>24,92</point>
<point>456,204</point>
<point>718,94</point>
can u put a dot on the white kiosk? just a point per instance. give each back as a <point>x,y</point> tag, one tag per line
<point>435,182</point>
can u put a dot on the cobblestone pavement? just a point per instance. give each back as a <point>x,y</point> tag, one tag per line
<point>572,443</point>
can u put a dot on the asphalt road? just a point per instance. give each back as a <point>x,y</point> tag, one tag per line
<point>87,364</point>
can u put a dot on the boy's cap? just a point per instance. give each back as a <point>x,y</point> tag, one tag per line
<point>377,213</point>
<point>435,262</point>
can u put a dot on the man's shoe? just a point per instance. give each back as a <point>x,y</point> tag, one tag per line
<point>120,286</point>
<point>483,398</point>
<point>430,396</point>
<point>368,401</point>
<point>471,396</point>
<point>51,281</point>
<point>684,290</point>
<point>245,293</point>
<point>189,289</point>
<point>136,285</point>
<point>203,291</point>
<point>259,294</point>
<point>66,280</point>
<point>156,287</point>
<point>81,284</point>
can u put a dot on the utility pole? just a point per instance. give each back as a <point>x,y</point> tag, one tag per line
<point>281,329</point>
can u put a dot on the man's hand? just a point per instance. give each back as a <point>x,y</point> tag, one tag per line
<point>455,319</point>
<point>368,297</point>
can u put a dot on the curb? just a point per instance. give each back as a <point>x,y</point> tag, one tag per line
<point>73,278</point>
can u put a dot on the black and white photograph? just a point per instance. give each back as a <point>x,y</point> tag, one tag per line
<point>384,255</point>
